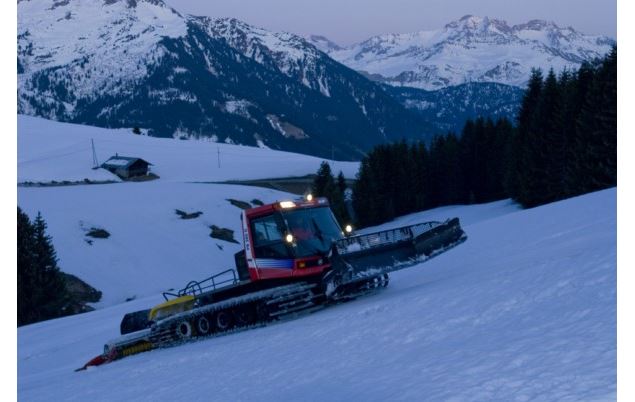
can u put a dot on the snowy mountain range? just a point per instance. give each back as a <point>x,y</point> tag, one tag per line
<point>127,63</point>
<point>140,63</point>
<point>471,49</point>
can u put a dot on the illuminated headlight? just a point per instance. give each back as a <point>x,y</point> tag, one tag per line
<point>289,238</point>
<point>348,229</point>
<point>287,204</point>
<point>309,197</point>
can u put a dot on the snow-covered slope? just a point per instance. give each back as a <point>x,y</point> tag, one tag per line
<point>48,150</point>
<point>150,249</point>
<point>524,310</point>
<point>471,49</point>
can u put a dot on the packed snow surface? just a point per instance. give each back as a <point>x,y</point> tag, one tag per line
<point>524,310</point>
<point>150,248</point>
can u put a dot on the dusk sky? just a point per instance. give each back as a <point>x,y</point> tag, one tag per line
<point>349,21</point>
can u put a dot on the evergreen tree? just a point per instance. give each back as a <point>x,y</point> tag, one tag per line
<point>323,182</point>
<point>548,146</point>
<point>576,92</point>
<point>363,203</point>
<point>345,217</point>
<point>53,295</point>
<point>469,160</point>
<point>420,176</point>
<point>499,159</point>
<point>341,182</point>
<point>42,293</point>
<point>596,132</point>
<point>26,270</point>
<point>524,164</point>
<point>324,185</point>
<point>446,177</point>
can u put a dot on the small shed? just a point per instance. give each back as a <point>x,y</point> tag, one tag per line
<point>126,166</point>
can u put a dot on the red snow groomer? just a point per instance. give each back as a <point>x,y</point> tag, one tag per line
<point>295,258</point>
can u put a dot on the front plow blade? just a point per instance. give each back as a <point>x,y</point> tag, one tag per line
<point>394,249</point>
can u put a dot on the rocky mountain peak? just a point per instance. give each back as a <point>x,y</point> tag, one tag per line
<point>323,43</point>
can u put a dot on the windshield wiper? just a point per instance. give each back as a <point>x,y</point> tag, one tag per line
<point>318,232</point>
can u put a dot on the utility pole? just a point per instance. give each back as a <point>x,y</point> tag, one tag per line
<point>218,155</point>
<point>95,162</point>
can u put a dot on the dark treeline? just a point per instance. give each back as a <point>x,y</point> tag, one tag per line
<point>564,144</point>
<point>42,293</point>
<point>401,178</point>
<point>326,185</point>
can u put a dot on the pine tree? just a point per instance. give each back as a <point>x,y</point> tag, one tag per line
<point>26,270</point>
<point>549,145</point>
<point>525,163</point>
<point>323,182</point>
<point>499,159</point>
<point>345,217</point>
<point>363,203</point>
<point>575,95</point>
<point>42,293</point>
<point>341,182</point>
<point>596,131</point>
<point>53,294</point>
<point>324,185</point>
<point>420,176</point>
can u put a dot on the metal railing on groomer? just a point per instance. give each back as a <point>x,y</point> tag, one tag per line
<point>198,287</point>
<point>363,242</point>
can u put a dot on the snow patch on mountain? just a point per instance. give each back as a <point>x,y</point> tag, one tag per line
<point>291,54</point>
<point>103,45</point>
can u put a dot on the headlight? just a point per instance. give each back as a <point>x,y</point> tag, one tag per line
<point>348,229</point>
<point>289,238</point>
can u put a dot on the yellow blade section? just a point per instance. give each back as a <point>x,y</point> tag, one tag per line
<point>170,307</point>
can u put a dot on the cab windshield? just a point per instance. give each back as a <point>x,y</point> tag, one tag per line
<point>313,230</point>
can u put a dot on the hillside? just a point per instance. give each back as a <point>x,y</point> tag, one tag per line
<point>524,310</point>
<point>146,233</point>
<point>450,107</point>
<point>49,150</point>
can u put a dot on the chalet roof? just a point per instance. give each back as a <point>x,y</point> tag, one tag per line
<point>122,162</point>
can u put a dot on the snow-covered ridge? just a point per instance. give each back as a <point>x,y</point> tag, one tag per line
<point>291,54</point>
<point>95,37</point>
<point>471,49</point>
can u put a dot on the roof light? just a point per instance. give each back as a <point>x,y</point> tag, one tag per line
<point>287,204</point>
